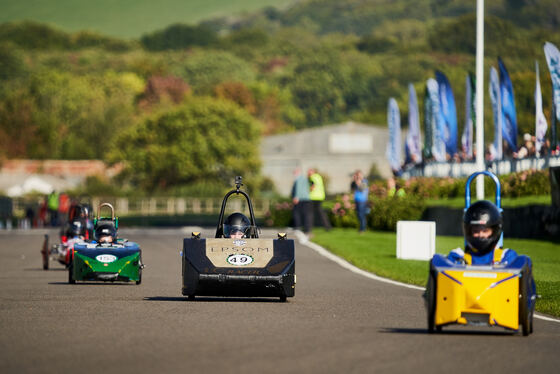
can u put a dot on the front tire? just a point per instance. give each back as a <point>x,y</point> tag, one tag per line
<point>431,304</point>
<point>71,279</point>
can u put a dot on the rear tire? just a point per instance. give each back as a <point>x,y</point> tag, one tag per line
<point>139,281</point>
<point>45,253</point>
<point>525,314</point>
<point>283,298</point>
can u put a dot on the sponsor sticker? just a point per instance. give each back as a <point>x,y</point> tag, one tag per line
<point>240,259</point>
<point>239,243</point>
<point>471,274</point>
<point>106,258</point>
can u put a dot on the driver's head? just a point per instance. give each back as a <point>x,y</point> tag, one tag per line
<point>236,226</point>
<point>482,226</point>
<point>76,229</point>
<point>105,232</point>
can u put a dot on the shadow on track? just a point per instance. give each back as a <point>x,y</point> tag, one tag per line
<point>93,284</point>
<point>215,299</point>
<point>41,269</point>
<point>397,330</point>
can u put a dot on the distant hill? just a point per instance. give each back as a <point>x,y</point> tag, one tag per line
<point>361,17</point>
<point>126,19</point>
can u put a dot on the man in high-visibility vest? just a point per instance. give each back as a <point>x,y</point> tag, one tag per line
<point>317,196</point>
<point>52,205</point>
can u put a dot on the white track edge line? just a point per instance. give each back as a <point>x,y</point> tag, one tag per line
<point>302,238</point>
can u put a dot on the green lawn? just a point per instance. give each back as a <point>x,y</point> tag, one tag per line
<point>126,18</point>
<point>376,252</point>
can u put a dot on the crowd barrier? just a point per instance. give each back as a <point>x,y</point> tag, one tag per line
<point>464,169</point>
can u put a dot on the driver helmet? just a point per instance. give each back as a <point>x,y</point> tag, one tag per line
<point>481,216</point>
<point>236,222</point>
<point>105,232</point>
<point>76,229</point>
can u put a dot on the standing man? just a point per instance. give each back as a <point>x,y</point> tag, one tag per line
<point>302,204</point>
<point>359,188</point>
<point>317,196</point>
<point>52,205</point>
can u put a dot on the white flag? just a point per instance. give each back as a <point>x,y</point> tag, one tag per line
<point>413,136</point>
<point>540,120</point>
<point>393,152</point>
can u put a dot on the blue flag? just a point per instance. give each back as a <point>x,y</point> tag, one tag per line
<point>413,144</point>
<point>509,116</point>
<point>393,152</point>
<point>428,125</point>
<point>448,113</point>
<point>496,99</point>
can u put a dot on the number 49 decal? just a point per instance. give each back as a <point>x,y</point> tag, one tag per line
<point>239,259</point>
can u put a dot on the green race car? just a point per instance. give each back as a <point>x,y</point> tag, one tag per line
<point>106,259</point>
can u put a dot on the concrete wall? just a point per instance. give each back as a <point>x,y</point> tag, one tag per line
<point>336,151</point>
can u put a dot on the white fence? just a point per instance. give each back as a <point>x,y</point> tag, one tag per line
<point>159,205</point>
<point>458,170</point>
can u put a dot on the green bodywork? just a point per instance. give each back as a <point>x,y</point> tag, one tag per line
<point>126,267</point>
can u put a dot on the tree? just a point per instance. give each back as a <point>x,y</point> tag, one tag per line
<point>202,140</point>
<point>203,70</point>
<point>179,36</point>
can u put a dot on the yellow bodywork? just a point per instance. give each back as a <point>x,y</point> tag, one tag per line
<point>464,296</point>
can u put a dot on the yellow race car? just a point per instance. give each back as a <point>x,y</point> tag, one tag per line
<point>486,284</point>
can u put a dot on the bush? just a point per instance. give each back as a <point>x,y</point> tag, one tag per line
<point>525,183</point>
<point>280,214</point>
<point>386,211</point>
<point>343,212</point>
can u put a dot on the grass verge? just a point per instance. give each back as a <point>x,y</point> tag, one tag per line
<point>375,252</point>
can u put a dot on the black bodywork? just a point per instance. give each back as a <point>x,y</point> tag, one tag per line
<point>273,277</point>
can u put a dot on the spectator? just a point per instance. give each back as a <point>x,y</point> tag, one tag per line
<point>317,196</point>
<point>52,206</point>
<point>302,204</point>
<point>394,189</point>
<point>42,220</point>
<point>28,222</point>
<point>359,188</point>
<point>63,207</point>
<point>527,149</point>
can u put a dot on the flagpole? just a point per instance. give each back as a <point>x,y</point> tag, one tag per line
<point>480,97</point>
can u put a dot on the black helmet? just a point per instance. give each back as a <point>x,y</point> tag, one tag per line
<point>236,222</point>
<point>76,228</point>
<point>482,214</point>
<point>105,229</point>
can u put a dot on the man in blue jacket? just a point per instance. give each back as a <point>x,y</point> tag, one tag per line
<point>359,188</point>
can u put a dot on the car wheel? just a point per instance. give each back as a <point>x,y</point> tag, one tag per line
<point>71,279</point>
<point>524,312</point>
<point>431,302</point>
<point>45,253</point>
<point>283,298</point>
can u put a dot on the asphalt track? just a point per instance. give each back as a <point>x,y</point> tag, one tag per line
<point>338,322</point>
